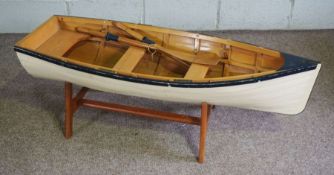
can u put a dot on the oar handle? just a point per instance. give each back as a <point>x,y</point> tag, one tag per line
<point>135,34</point>
<point>112,37</point>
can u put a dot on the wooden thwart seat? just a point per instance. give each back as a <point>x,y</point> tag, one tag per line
<point>196,71</point>
<point>61,42</point>
<point>130,59</point>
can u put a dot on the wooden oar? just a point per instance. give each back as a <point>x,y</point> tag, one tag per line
<point>133,33</point>
<point>201,58</point>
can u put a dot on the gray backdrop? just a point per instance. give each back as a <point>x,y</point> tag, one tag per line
<point>23,15</point>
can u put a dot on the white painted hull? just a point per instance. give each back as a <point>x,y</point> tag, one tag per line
<point>286,95</point>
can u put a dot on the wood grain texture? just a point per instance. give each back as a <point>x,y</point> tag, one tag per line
<point>196,71</point>
<point>61,42</point>
<point>130,59</point>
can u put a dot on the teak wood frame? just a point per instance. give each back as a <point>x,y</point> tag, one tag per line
<point>72,104</point>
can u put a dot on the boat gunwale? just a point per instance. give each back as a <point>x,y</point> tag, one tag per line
<point>174,83</point>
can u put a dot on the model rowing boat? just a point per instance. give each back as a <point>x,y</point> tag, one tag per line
<point>166,64</point>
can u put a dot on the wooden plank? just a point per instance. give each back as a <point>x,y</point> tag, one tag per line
<point>61,42</point>
<point>196,71</point>
<point>243,56</point>
<point>130,59</point>
<point>248,66</point>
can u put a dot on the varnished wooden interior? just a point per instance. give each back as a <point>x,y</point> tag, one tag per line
<point>59,38</point>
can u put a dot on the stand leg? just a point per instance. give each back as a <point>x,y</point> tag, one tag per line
<point>68,113</point>
<point>204,124</point>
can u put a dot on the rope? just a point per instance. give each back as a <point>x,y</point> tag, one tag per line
<point>149,49</point>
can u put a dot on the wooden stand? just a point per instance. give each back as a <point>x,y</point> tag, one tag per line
<point>72,104</point>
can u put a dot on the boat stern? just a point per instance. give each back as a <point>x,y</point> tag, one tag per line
<point>307,67</point>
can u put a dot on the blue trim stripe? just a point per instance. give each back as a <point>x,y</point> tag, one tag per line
<point>288,69</point>
<point>295,62</point>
